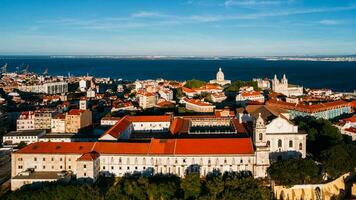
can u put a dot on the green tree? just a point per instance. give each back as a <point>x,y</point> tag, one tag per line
<point>191,186</point>
<point>194,83</point>
<point>338,160</point>
<point>288,172</point>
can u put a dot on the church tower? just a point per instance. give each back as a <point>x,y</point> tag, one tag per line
<point>262,149</point>
<point>260,132</point>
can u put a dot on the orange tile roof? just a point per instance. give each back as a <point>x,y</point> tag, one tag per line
<point>122,147</point>
<point>89,156</point>
<point>179,125</point>
<point>196,102</point>
<point>75,112</point>
<point>57,148</point>
<point>351,129</point>
<point>197,146</point>
<point>188,90</point>
<point>150,118</point>
<point>350,119</point>
<point>249,94</point>
<point>214,146</point>
<point>240,128</point>
<point>353,104</point>
<point>120,126</point>
<point>309,108</point>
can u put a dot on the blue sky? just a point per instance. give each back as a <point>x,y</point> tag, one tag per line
<point>186,27</point>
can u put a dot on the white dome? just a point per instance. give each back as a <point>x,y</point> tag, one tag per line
<point>220,75</point>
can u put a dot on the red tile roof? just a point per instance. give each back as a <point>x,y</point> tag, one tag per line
<point>207,146</point>
<point>75,112</point>
<point>179,125</point>
<point>351,129</point>
<point>240,128</point>
<point>350,119</point>
<point>57,148</point>
<point>196,102</point>
<point>249,94</point>
<point>309,108</point>
<point>120,126</point>
<point>150,118</point>
<point>214,146</point>
<point>89,156</point>
<point>188,90</point>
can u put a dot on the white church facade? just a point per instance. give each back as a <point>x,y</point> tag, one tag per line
<point>282,86</point>
<point>275,131</point>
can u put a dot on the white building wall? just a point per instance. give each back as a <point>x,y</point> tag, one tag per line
<point>151,126</point>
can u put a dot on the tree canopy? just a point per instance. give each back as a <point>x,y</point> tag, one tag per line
<point>236,85</point>
<point>194,83</point>
<point>161,187</point>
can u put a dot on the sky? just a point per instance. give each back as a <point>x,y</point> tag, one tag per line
<point>178,28</point>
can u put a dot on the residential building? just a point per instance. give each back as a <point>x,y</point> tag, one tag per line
<point>147,100</point>
<point>166,94</point>
<point>26,121</point>
<point>46,88</point>
<point>253,96</point>
<point>42,119</point>
<point>198,106</point>
<point>14,138</point>
<point>263,84</point>
<point>77,119</point>
<point>218,97</point>
<point>58,123</point>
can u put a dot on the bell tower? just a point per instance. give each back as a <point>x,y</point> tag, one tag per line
<point>261,148</point>
<point>259,136</point>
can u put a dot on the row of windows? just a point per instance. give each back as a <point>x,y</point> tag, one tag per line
<point>44,159</point>
<point>184,160</point>
<point>20,137</point>
<point>279,143</point>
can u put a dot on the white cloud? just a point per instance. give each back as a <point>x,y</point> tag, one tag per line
<point>329,22</point>
<point>146,14</point>
<point>249,3</point>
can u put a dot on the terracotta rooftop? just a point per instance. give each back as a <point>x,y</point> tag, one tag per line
<point>150,118</point>
<point>75,112</point>
<point>89,156</point>
<point>120,126</point>
<point>309,108</point>
<point>351,129</point>
<point>249,94</point>
<point>207,146</point>
<point>196,102</point>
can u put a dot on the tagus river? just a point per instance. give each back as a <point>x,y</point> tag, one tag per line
<point>339,76</point>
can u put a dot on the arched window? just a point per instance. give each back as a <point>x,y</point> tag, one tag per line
<point>290,143</point>
<point>268,143</point>
<point>300,146</point>
<point>260,136</point>
<point>279,143</point>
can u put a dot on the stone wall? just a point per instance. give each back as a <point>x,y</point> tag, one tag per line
<point>311,191</point>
